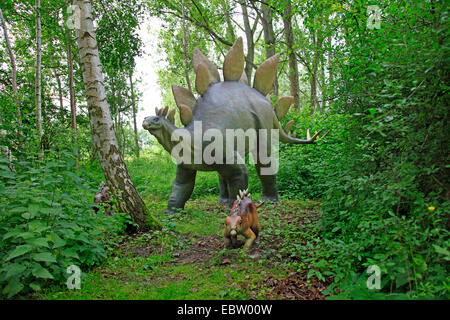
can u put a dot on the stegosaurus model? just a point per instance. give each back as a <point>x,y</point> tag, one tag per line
<point>221,106</point>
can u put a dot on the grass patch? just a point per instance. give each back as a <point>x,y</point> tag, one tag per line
<point>187,258</point>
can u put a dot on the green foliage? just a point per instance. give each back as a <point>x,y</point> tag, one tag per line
<point>382,172</point>
<point>47,224</point>
<point>305,170</point>
<point>387,201</point>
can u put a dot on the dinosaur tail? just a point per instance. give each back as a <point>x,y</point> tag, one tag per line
<point>286,137</point>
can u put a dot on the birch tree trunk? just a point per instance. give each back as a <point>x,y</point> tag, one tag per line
<point>13,67</point>
<point>317,45</point>
<point>133,102</point>
<point>38,68</point>
<point>60,92</point>
<point>111,160</point>
<point>73,107</point>
<point>293,68</point>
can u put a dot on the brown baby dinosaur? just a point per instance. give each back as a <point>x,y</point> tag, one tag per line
<point>243,220</point>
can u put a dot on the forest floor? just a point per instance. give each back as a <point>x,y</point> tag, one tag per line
<point>187,259</point>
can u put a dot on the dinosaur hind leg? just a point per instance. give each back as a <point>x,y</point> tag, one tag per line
<point>268,183</point>
<point>236,177</point>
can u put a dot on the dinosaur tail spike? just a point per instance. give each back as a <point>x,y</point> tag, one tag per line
<point>233,64</point>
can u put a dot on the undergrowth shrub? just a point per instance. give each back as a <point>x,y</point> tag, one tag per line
<point>386,200</point>
<point>47,223</point>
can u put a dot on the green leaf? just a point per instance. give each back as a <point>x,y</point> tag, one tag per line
<point>40,272</point>
<point>18,251</point>
<point>15,269</point>
<point>18,209</point>
<point>26,215</point>
<point>39,242</point>
<point>13,288</point>
<point>401,279</point>
<point>70,253</point>
<point>35,286</point>
<point>12,233</point>
<point>44,257</point>
<point>58,242</point>
<point>441,250</point>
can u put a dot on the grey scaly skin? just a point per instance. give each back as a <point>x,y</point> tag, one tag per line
<point>231,104</point>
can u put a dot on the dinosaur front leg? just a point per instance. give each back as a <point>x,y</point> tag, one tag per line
<point>181,189</point>
<point>250,236</point>
<point>223,198</point>
<point>227,239</point>
<point>236,177</point>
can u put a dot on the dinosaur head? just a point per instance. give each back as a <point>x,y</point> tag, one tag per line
<point>233,224</point>
<point>153,123</point>
<point>161,126</point>
<point>237,221</point>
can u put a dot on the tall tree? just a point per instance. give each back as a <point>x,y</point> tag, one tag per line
<point>111,160</point>
<point>133,105</point>
<point>290,44</point>
<point>317,61</point>
<point>73,107</point>
<point>227,12</point>
<point>60,91</point>
<point>38,88</point>
<point>186,70</point>
<point>269,38</point>
<point>249,34</point>
<point>13,64</point>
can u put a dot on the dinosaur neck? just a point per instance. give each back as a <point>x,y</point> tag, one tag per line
<point>164,136</point>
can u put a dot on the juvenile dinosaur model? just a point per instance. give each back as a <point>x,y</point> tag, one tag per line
<point>103,196</point>
<point>221,107</point>
<point>242,220</point>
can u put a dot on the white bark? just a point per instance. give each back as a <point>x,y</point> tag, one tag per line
<point>38,68</point>
<point>133,100</point>
<point>102,127</point>
<point>11,58</point>
<point>73,107</point>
